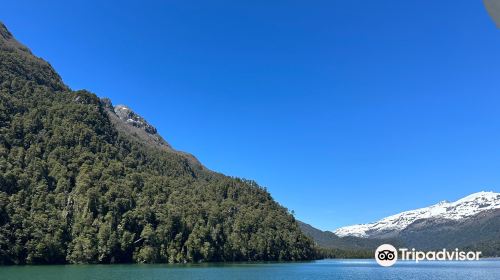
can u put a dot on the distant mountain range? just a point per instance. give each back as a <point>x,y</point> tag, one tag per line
<point>459,210</point>
<point>470,222</point>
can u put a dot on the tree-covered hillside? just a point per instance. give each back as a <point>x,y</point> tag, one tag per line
<point>74,188</point>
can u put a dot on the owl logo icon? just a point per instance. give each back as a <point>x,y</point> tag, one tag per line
<point>386,255</point>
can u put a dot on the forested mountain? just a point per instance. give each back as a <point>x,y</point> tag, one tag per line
<point>333,246</point>
<point>329,240</point>
<point>472,222</point>
<point>480,232</point>
<point>78,184</point>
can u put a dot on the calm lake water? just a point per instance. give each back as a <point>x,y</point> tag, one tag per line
<point>323,269</point>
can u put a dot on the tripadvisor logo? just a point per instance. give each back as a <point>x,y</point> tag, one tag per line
<point>387,255</point>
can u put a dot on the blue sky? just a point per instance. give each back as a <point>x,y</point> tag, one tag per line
<point>347,111</point>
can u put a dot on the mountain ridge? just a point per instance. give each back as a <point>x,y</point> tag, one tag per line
<point>477,232</point>
<point>392,225</point>
<point>32,69</point>
<point>79,184</point>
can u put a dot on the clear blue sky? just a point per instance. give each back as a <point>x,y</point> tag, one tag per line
<point>347,111</point>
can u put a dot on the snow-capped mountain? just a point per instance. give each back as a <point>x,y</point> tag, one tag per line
<point>459,210</point>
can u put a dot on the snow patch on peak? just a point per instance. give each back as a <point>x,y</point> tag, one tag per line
<point>460,209</point>
<point>127,115</point>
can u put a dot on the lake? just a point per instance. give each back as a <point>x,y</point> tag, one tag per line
<point>322,269</point>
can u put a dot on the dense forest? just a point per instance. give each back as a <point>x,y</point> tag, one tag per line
<point>75,189</point>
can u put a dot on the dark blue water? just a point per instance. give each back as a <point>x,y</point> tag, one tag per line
<point>324,269</point>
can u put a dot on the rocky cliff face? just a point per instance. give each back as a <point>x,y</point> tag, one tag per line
<point>127,115</point>
<point>136,127</point>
